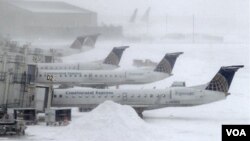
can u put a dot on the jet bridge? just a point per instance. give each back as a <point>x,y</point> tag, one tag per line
<point>16,82</point>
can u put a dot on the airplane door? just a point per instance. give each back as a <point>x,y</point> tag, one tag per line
<point>124,97</point>
<point>90,76</point>
<point>158,99</point>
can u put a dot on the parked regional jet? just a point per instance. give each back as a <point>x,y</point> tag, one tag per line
<point>81,44</point>
<point>43,55</point>
<point>140,100</point>
<point>102,78</point>
<point>110,62</point>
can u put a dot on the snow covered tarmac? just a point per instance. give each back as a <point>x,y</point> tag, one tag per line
<point>197,65</point>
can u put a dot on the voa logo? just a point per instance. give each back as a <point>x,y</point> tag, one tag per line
<point>236,132</point>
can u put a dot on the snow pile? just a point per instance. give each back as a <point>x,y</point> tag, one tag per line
<point>108,122</point>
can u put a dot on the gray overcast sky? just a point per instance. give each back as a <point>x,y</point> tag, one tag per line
<point>230,15</point>
<point>218,8</point>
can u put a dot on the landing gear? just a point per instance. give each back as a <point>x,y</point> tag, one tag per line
<point>139,112</point>
<point>140,115</point>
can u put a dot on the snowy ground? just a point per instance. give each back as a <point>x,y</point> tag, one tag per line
<point>198,64</point>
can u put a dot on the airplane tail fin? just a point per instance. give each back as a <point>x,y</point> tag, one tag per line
<point>167,63</point>
<point>115,55</point>
<point>88,40</point>
<point>133,17</point>
<point>222,80</point>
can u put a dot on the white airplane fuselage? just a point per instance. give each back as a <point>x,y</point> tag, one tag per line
<point>96,65</point>
<point>69,51</point>
<point>99,77</point>
<point>144,99</point>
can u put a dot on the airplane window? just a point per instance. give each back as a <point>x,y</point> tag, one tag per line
<point>80,75</point>
<point>80,96</point>
<point>51,67</point>
<point>46,67</point>
<point>105,96</point>
<point>96,75</point>
<point>60,96</point>
<point>60,75</point>
<point>65,75</point>
<point>132,96</point>
<point>110,76</point>
<point>100,75</point>
<point>139,96</point>
<point>118,96</point>
<point>106,75</point>
<point>86,96</point>
<point>70,75</point>
<point>145,95</point>
<point>85,75</point>
<point>99,96</point>
<point>115,75</point>
<point>112,96</point>
<point>163,95</point>
<point>54,96</point>
<point>75,76</point>
<point>158,95</point>
<point>151,96</point>
<point>40,75</point>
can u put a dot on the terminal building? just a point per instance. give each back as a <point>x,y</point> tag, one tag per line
<point>35,20</point>
<point>46,19</point>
